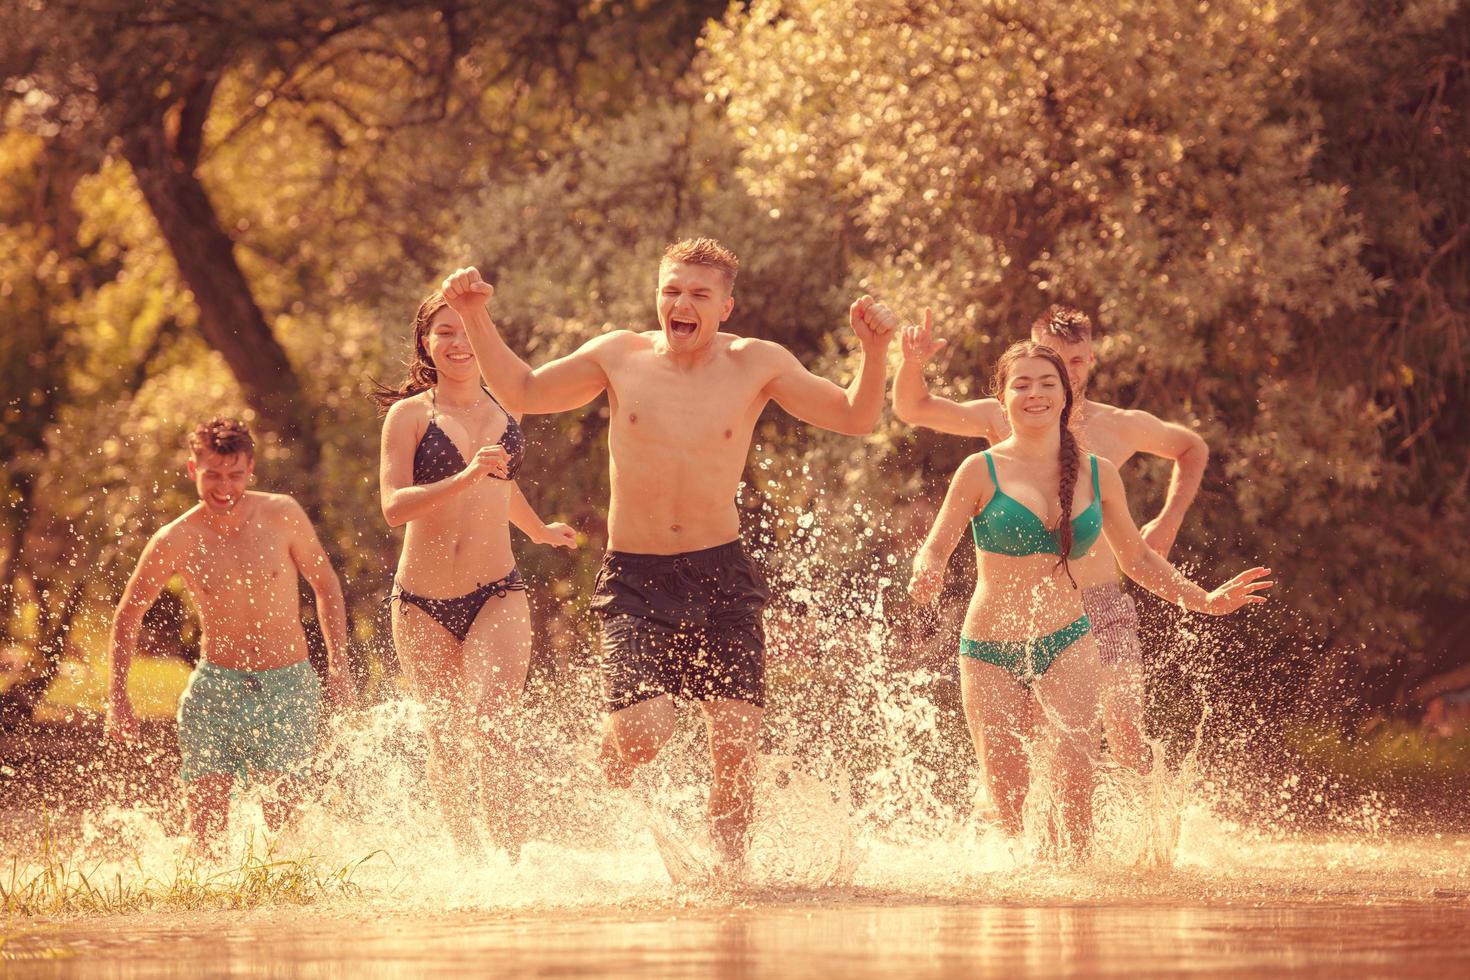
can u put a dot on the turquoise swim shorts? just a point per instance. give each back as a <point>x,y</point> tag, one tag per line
<point>249,721</point>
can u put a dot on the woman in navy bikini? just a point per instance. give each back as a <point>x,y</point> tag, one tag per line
<point>1027,664</point>
<point>461,624</point>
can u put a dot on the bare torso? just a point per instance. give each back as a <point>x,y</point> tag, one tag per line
<point>464,541</point>
<point>243,582</point>
<point>679,435</point>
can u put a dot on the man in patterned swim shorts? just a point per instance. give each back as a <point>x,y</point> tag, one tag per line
<point>252,705</point>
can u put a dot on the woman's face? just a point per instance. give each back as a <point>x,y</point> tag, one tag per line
<point>449,347</point>
<point>1034,394</point>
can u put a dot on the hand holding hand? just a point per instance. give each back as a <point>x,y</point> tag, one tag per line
<point>490,460</point>
<point>559,535</point>
<point>873,322</point>
<point>465,291</point>
<point>1239,591</point>
<point>1159,536</point>
<point>918,342</point>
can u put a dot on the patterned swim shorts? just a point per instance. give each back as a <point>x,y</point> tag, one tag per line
<point>1114,623</point>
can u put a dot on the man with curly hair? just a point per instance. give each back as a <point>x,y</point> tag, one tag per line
<point>252,705</point>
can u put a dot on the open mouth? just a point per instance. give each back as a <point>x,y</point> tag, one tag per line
<point>222,500</point>
<point>460,358</point>
<point>683,328</point>
<point>1036,409</point>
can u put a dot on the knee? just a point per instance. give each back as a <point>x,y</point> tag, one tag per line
<point>638,750</point>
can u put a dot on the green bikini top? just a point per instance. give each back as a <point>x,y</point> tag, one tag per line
<point>1008,527</point>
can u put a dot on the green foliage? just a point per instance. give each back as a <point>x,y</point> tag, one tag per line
<point>1263,207</point>
<point>1161,165</point>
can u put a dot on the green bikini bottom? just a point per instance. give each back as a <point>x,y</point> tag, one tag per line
<point>1027,659</point>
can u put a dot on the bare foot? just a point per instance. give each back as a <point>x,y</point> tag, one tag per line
<point>615,769</point>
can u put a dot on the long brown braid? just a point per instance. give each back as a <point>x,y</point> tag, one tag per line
<point>421,373</point>
<point>1069,453</point>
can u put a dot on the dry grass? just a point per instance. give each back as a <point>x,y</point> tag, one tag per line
<point>52,885</point>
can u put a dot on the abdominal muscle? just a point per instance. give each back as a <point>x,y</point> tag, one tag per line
<point>1020,598</point>
<point>460,545</point>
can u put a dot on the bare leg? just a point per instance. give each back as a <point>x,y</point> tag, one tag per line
<point>208,800</point>
<point>634,736</point>
<point>1122,714</point>
<point>734,731</point>
<point>282,802</point>
<point>998,711</point>
<point>497,654</point>
<point>432,659</point>
<point>1069,694</point>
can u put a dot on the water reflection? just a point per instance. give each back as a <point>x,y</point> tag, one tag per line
<point>789,940</point>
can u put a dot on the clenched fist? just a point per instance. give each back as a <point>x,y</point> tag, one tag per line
<point>873,322</point>
<point>465,291</point>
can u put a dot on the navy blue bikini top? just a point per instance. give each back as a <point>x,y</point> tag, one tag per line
<point>438,458</point>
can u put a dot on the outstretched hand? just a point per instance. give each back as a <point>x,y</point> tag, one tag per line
<point>926,583</point>
<point>1239,591</point>
<point>465,291</point>
<point>873,322</point>
<point>918,342</point>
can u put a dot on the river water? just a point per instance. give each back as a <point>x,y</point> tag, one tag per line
<point>854,871</point>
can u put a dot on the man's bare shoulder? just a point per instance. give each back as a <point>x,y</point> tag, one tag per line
<point>277,511</point>
<point>619,341</point>
<point>755,351</point>
<point>180,531</point>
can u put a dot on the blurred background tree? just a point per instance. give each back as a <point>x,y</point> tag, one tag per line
<point>216,209</point>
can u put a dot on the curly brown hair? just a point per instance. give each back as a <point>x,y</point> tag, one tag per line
<point>222,436</point>
<point>421,373</point>
<point>1070,453</point>
<point>1066,323</point>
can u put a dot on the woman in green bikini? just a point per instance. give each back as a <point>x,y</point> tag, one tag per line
<point>1027,664</point>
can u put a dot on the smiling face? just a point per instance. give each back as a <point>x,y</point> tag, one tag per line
<point>220,480</point>
<point>693,300</point>
<point>1034,393</point>
<point>448,347</point>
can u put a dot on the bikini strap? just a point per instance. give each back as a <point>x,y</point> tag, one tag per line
<point>1096,491</point>
<point>486,389</point>
<point>991,463</point>
<point>434,403</point>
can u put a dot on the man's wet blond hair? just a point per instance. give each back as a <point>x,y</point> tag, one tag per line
<point>704,251</point>
<point>1066,323</point>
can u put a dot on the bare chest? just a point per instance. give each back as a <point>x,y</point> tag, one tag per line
<point>696,410</point>
<point>249,561</point>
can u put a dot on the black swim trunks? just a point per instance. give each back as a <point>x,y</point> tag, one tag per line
<point>687,625</point>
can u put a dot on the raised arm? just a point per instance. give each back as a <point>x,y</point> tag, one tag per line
<point>331,608</point>
<point>399,498</point>
<point>981,418</point>
<point>524,516</point>
<point>559,386</point>
<point>853,410</point>
<point>969,488</point>
<point>1190,455</point>
<point>155,568</point>
<point>1152,571</point>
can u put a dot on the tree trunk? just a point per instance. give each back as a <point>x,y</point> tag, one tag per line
<point>163,157</point>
